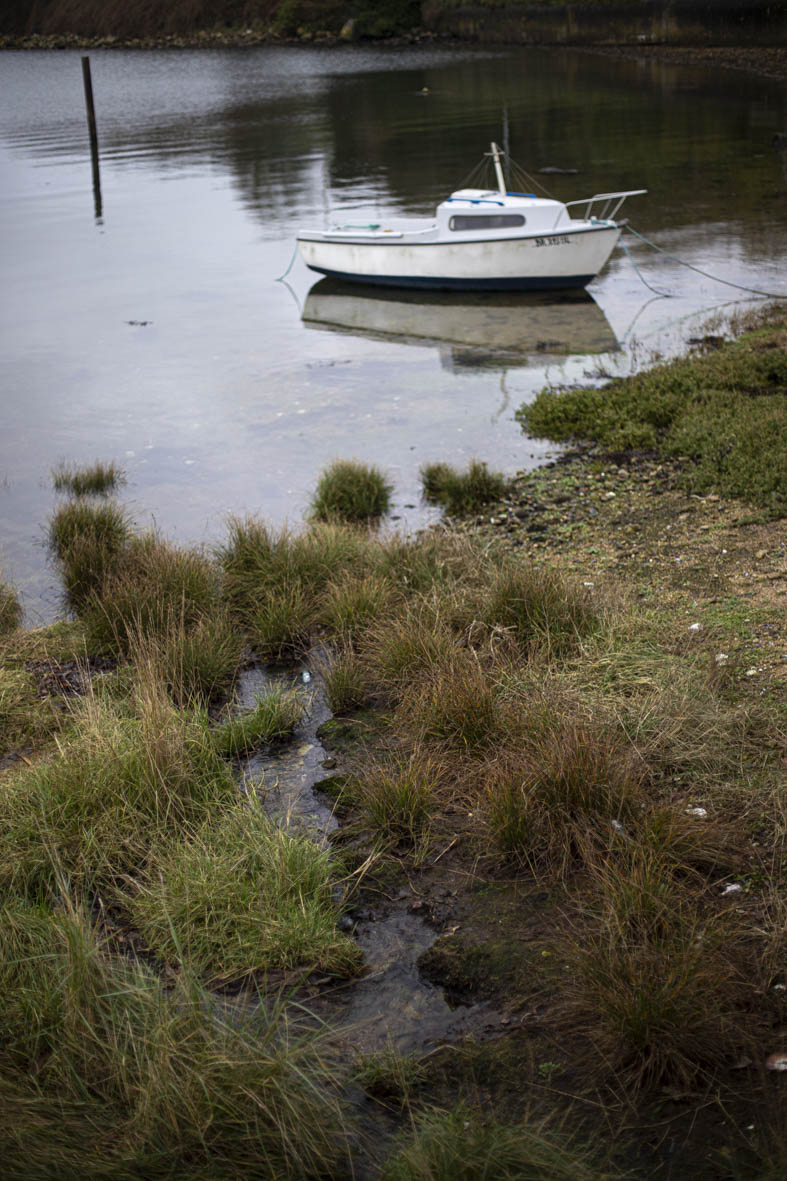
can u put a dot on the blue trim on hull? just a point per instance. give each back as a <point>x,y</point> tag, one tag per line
<point>542,283</point>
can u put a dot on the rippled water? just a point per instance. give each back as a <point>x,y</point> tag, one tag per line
<point>143,323</point>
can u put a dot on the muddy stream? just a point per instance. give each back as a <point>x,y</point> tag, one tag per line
<point>391,1005</point>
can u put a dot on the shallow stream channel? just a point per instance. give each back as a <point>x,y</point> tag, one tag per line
<point>391,1005</point>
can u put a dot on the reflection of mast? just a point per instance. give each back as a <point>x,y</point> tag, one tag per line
<point>91,123</point>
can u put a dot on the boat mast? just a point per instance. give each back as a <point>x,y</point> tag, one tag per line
<point>495,154</point>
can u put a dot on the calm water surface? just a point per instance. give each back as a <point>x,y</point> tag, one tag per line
<point>144,323</point>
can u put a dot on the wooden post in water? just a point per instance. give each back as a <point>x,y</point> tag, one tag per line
<point>91,123</point>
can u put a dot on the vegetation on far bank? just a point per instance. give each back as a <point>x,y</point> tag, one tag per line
<point>587,801</point>
<point>151,19</point>
<point>725,410</point>
<point>218,22</point>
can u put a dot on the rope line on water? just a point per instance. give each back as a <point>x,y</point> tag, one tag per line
<point>661,294</point>
<point>289,266</point>
<point>691,267</point>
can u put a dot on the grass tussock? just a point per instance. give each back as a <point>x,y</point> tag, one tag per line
<point>243,896</point>
<point>660,988</point>
<point>542,609</point>
<point>346,680</point>
<point>154,586</point>
<point>273,719</point>
<point>433,562</point>
<point>10,608</point>
<point>25,717</point>
<point>88,539</point>
<point>566,793</point>
<point>351,491</point>
<point>198,663</point>
<point>413,643</point>
<point>461,493</point>
<point>456,705</point>
<point>389,1075</point>
<point>355,603</point>
<point>281,625</point>
<point>126,777</point>
<point>104,1073</point>
<point>400,797</point>
<point>725,410</point>
<point>275,582</point>
<point>460,1146</point>
<point>96,479</point>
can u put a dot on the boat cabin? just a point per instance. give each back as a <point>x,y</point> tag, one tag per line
<point>477,212</point>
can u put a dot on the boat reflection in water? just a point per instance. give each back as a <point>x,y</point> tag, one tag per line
<point>495,330</point>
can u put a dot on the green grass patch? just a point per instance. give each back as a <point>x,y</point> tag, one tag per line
<point>726,411</point>
<point>106,1073</point>
<point>124,779</point>
<point>25,717</point>
<point>30,716</point>
<point>96,479</point>
<point>273,719</point>
<point>463,1146</point>
<point>243,896</point>
<point>10,608</point>
<point>461,493</point>
<point>351,491</point>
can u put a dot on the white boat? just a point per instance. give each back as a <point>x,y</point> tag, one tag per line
<point>479,239</point>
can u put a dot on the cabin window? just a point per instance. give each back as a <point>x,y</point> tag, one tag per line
<point>486,221</point>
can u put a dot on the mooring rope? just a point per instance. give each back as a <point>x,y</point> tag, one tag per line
<point>691,267</point>
<point>289,266</point>
<point>661,294</point>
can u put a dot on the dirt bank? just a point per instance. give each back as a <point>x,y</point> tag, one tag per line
<point>769,63</point>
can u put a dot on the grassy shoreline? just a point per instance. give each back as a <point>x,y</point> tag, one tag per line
<point>560,734</point>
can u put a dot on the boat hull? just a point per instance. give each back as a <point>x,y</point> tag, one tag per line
<point>536,263</point>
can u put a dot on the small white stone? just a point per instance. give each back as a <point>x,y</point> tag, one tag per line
<point>733,888</point>
<point>777,1061</point>
<point>701,813</point>
<point>722,658</point>
<point>694,627</point>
